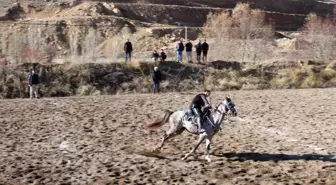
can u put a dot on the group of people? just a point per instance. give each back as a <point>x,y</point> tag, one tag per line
<point>200,48</point>
<point>159,56</point>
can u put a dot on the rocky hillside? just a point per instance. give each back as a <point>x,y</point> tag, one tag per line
<point>174,12</point>
<point>284,6</point>
<point>63,28</point>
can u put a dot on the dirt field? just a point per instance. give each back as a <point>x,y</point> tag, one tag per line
<point>280,137</point>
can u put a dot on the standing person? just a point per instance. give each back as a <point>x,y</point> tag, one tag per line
<point>198,51</point>
<point>205,48</point>
<point>179,50</point>
<point>156,77</point>
<point>34,81</point>
<point>128,50</point>
<point>189,51</point>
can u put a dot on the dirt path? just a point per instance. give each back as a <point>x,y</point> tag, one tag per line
<point>280,137</point>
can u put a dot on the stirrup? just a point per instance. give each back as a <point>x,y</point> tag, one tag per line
<point>199,130</point>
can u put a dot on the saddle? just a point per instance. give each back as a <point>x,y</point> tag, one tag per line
<point>189,116</point>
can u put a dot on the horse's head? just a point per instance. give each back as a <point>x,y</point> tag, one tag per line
<point>227,107</point>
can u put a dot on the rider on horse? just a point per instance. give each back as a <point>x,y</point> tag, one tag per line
<point>199,105</point>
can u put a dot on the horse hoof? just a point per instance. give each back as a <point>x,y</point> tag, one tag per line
<point>155,150</point>
<point>208,159</point>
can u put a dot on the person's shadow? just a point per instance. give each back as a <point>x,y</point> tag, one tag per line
<point>275,157</point>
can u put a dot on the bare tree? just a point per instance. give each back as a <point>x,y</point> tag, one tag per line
<point>244,35</point>
<point>320,33</point>
<point>3,41</point>
<point>114,47</point>
<point>74,42</point>
<point>16,46</point>
<point>90,45</point>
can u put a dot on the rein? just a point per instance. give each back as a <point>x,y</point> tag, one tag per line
<point>216,109</point>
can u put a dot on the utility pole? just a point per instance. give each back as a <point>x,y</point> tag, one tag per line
<point>186,33</point>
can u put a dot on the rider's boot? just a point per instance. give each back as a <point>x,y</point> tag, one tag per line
<point>198,121</point>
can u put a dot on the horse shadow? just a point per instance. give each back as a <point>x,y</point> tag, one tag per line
<point>241,157</point>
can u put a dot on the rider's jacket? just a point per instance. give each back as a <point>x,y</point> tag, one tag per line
<point>199,101</point>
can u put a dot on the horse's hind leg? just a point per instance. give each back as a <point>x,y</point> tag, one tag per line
<point>164,138</point>
<point>167,135</point>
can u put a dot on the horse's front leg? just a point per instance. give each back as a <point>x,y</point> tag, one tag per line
<point>207,149</point>
<point>200,140</point>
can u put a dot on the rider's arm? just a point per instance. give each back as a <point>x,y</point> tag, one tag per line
<point>206,103</point>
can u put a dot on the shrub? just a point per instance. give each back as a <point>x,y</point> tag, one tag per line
<point>86,90</point>
<point>328,74</point>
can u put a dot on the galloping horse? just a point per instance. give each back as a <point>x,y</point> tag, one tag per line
<point>179,123</point>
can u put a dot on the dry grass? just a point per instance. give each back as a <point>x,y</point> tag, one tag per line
<point>99,79</point>
<point>328,74</point>
<point>233,80</point>
<point>332,65</point>
<point>306,77</point>
<point>86,90</point>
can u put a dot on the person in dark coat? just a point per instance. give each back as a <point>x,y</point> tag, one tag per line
<point>179,50</point>
<point>198,51</point>
<point>188,47</point>
<point>33,81</point>
<point>128,48</point>
<point>205,48</point>
<point>156,78</point>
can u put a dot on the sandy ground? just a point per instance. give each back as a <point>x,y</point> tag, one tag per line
<point>280,137</point>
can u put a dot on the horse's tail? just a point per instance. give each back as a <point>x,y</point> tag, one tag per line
<point>161,122</point>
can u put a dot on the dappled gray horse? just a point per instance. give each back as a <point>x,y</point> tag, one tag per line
<point>179,122</point>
